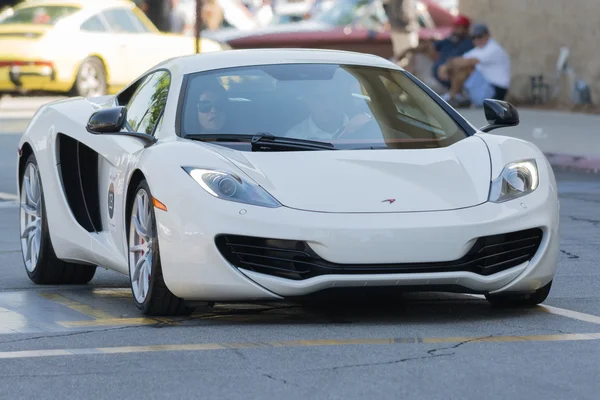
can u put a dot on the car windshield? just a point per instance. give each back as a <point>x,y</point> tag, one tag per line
<point>349,106</point>
<point>39,15</point>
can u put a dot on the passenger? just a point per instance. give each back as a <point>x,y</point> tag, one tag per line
<point>326,112</point>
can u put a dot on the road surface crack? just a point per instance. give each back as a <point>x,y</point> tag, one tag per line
<point>594,222</point>
<point>279,380</point>
<point>570,255</point>
<point>430,354</point>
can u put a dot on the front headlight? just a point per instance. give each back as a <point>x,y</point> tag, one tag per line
<point>517,179</point>
<point>231,187</point>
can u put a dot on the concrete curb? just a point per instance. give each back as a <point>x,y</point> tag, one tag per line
<point>16,115</point>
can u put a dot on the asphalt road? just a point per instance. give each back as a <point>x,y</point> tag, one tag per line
<point>90,341</point>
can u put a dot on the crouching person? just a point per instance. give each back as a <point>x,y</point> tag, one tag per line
<point>481,73</point>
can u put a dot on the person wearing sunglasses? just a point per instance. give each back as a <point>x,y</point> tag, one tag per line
<point>211,108</point>
<point>481,73</point>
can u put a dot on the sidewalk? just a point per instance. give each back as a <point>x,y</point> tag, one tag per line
<point>22,107</point>
<point>569,140</point>
<point>15,112</point>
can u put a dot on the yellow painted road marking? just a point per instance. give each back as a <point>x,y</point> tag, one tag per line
<point>292,343</point>
<point>118,292</point>
<point>77,306</point>
<point>594,319</point>
<point>11,322</point>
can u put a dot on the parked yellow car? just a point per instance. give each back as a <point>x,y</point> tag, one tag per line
<point>83,47</point>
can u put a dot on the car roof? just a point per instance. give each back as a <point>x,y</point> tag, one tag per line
<point>240,58</point>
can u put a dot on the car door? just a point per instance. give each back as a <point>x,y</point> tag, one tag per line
<point>144,102</point>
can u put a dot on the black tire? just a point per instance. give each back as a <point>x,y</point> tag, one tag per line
<point>48,269</point>
<point>514,300</point>
<point>97,65</point>
<point>159,300</point>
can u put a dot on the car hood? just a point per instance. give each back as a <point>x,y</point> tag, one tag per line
<point>372,181</point>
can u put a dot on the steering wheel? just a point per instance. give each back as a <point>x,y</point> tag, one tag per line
<point>355,123</point>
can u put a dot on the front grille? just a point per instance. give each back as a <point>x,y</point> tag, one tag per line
<point>296,260</point>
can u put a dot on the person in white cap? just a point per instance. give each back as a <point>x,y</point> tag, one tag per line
<point>481,73</point>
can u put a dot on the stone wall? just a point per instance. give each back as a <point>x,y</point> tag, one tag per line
<point>533,31</point>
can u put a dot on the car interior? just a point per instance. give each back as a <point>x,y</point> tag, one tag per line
<point>263,103</point>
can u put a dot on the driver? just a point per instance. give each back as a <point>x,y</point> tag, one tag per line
<point>211,108</point>
<point>326,118</point>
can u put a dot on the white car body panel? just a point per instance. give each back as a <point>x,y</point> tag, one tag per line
<point>325,182</point>
<point>343,222</point>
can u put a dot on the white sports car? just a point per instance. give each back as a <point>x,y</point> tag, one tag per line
<point>256,175</point>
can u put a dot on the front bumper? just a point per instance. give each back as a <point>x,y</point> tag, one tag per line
<point>195,269</point>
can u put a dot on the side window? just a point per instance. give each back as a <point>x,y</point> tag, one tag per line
<point>146,104</point>
<point>93,24</point>
<point>121,20</point>
<point>138,22</point>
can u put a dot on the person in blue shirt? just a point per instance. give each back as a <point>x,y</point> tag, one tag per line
<point>441,51</point>
<point>457,44</point>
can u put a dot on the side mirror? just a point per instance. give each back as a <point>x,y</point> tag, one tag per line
<point>499,114</point>
<point>111,121</point>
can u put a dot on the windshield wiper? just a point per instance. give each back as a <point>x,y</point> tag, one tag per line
<point>264,141</point>
<point>218,137</point>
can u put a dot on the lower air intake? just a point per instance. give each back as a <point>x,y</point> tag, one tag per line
<point>295,259</point>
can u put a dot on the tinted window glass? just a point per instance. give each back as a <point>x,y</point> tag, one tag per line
<point>349,106</point>
<point>42,15</point>
<point>146,104</point>
<point>94,24</point>
<point>120,20</point>
<point>138,22</point>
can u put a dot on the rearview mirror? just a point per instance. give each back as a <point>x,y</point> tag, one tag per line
<point>111,121</point>
<point>499,114</point>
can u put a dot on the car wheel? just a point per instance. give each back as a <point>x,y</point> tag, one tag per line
<point>91,78</point>
<point>39,258</point>
<point>150,293</point>
<point>519,299</point>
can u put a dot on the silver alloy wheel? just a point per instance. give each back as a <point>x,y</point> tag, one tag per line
<point>140,245</point>
<point>91,84</point>
<point>31,217</point>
